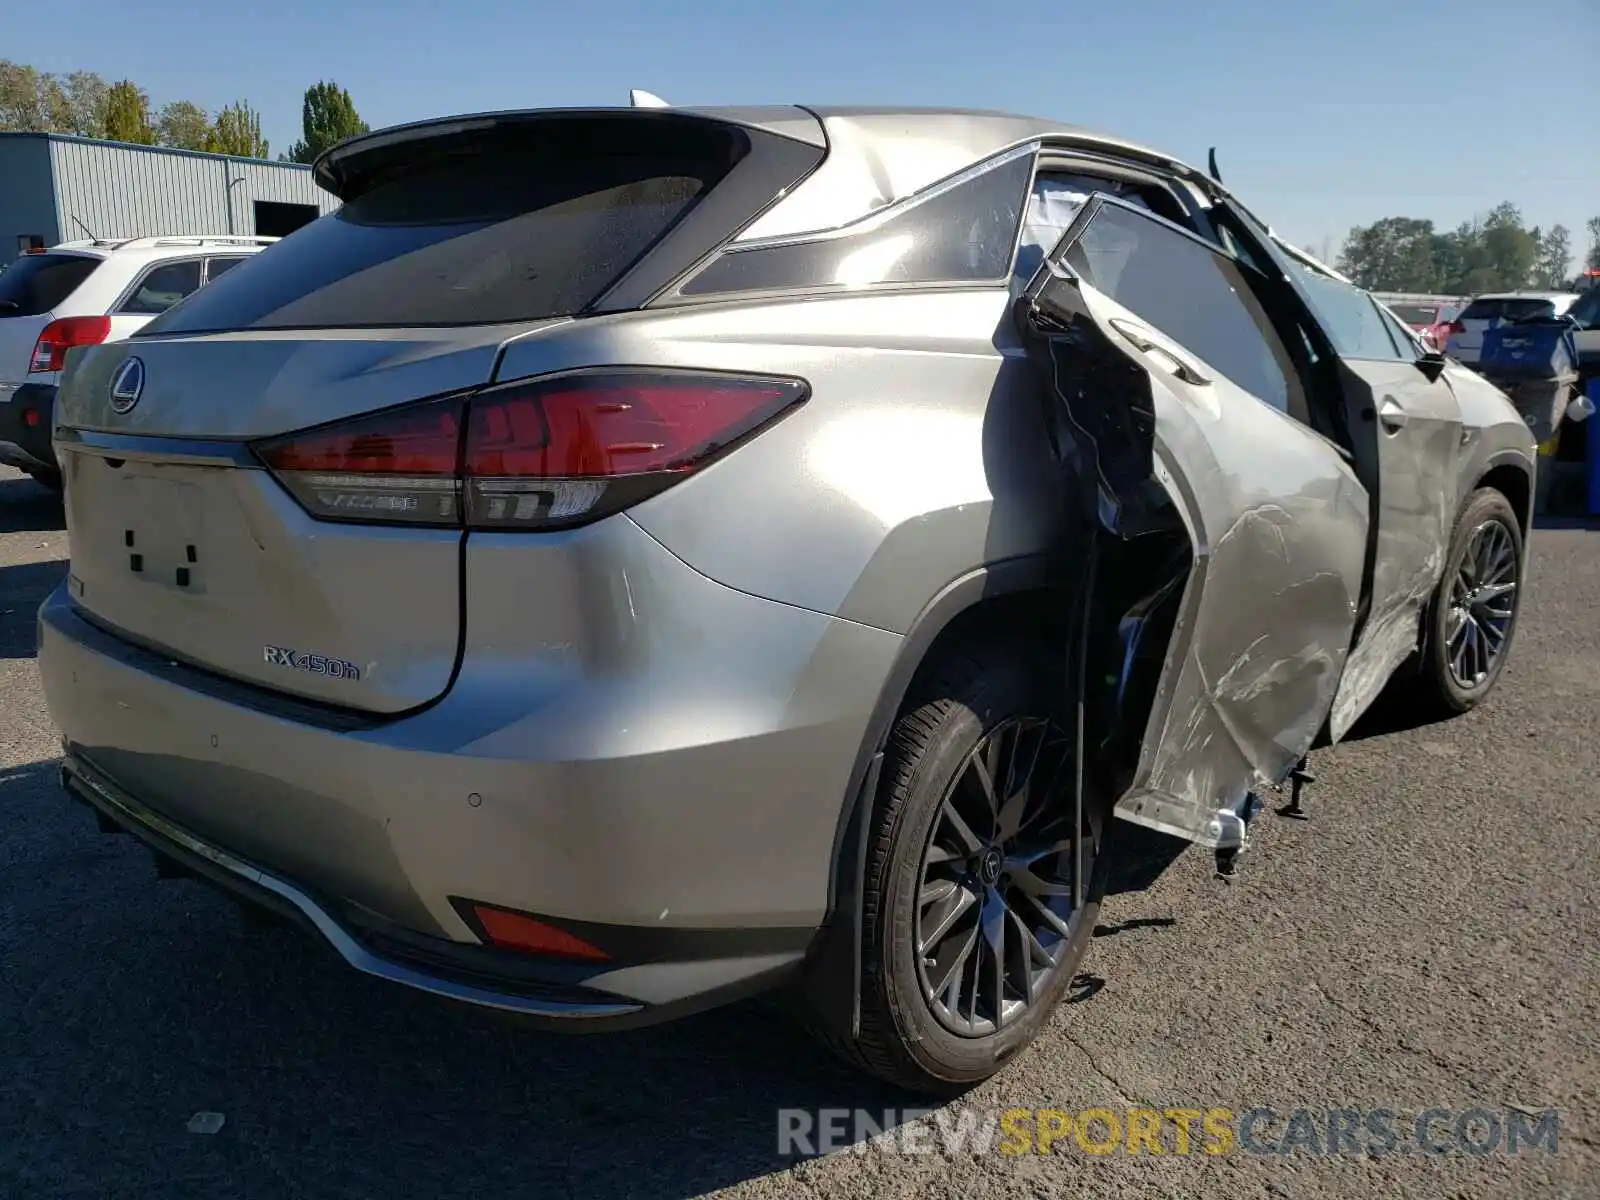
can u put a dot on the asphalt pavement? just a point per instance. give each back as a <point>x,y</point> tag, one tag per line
<point>1428,939</point>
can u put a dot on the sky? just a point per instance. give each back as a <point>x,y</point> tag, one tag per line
<point>1324,115</point>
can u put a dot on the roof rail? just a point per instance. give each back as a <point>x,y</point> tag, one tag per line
<point>203,239</point>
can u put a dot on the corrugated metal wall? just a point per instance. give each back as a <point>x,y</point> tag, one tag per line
<point>122,191</point>
<point>27,203</point>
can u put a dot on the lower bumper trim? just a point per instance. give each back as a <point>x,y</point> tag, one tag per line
<point>163,836</point>
<point>13,455</point>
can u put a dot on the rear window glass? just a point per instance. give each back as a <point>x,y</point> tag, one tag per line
<point>962,231</point>
<point>531,227</point>
<point>1511,309</point>
<point>35,283</point>
<point>1415,314</point>
<point>163,286</point>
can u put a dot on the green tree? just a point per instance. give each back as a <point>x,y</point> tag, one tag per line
<point>83,99</point>
<point>128,114</point>
<point>23,106</point>
<point>1509,249</point>
<point>1550,269</point>
<point>1453,253</point>
<point>1592,259</point>
<point>237,130</point>
<point>1391,255</point>
<point>183,126</point>
<point>327,117</point>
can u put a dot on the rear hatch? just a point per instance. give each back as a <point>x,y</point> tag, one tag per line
<point>1487,313</point>
<point>1418,316</point>
<point>31,289</point>
<point>452,239</point>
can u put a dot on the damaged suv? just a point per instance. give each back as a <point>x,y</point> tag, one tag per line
<point>627,559</point>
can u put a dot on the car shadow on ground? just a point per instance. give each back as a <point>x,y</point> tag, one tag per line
<point>162,1002</point>
<point>132,1004</point>
<point>23,587</point>
<point>25,507</point>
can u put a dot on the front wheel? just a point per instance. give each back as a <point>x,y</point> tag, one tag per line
<point>983,880</point>
<point>1473,614</point>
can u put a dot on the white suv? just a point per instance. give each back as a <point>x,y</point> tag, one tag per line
<point>81,294</point>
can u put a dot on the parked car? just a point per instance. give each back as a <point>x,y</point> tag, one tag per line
<point>80,294</point>
<point>1585,314</point>
<point>1429,319</point>
<point>1487,312</point>
<point>757,547</point>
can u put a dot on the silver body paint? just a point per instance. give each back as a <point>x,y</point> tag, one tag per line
<point>659,721</point>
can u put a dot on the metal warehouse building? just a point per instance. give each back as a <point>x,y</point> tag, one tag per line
<point>55,188</point>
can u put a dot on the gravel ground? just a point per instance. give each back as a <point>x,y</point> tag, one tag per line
<point>1428,939</point>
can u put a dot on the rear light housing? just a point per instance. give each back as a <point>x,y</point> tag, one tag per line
<point>1455,327</point>
<point>538,454</point>
<point>507,929</point>
<point>61,335</point>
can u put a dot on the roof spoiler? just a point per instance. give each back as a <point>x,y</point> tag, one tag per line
<point>348,168</point>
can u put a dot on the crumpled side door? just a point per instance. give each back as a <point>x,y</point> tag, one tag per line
<point>1406,430</point>
<point>1159,432</point>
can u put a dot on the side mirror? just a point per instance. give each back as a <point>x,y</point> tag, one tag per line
<point>1432,364</point>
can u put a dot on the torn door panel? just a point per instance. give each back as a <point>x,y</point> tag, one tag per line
<point>1268,628</point>
<point>1276,530</point>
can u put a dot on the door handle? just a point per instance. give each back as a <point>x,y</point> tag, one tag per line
<point>1171,360</point>
<point>1392,415</point>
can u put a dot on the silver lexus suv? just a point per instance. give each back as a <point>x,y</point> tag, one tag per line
<point>623,560</point>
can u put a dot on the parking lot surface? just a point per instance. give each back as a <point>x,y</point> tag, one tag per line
<point>1429,939</point>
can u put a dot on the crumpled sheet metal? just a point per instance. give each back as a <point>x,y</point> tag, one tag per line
<point>1267,627</point>
<point>1417,524</point>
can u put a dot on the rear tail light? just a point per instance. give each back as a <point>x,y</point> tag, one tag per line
<point>50,351</point>
<point>1455,327</point>
<point>546,453</point>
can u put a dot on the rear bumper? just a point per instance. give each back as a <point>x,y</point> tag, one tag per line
<point>214,865</point>
<point>677,805</point>
<point>25,421</point>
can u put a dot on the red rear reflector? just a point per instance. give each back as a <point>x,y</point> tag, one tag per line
<point>514,931</point>
<point>50,351</point>
<point>535,454</point>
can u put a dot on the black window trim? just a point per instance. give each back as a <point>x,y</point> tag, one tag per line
<point>888,212</point>
<point>676,297</point>
<point>128,293</point>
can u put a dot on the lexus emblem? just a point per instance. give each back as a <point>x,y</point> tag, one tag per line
<point>127,385</point>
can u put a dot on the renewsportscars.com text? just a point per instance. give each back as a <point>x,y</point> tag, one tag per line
<point>1332,1131</point>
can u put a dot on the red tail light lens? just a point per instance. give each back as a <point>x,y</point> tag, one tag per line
<point>1455,327</point>
<point>50,351</point>
<point>511,930</point>
<point>536,454</point>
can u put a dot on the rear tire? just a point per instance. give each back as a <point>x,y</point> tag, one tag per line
<point>1470,622</point>
<point>974,701</point>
